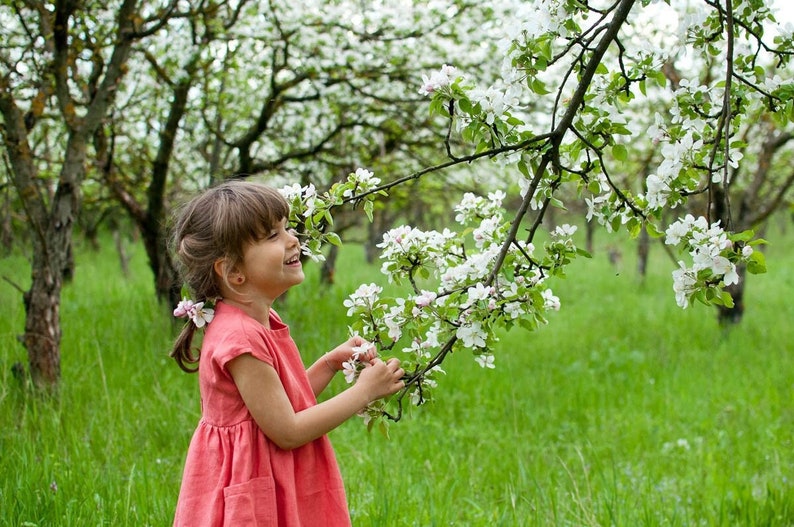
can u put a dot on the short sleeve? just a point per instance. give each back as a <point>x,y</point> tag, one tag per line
<point>237,336</point>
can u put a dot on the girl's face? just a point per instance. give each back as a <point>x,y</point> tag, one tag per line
<point>272,265</point>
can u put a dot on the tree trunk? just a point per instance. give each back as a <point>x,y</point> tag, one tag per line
<point>42,336</point>
<point>329,266</point>
<point>733,315</point>
<point>166,283</point>
<point>150,217</point>
<point>51,235</point>
<point>721,211</point>
<point>6,229</point>
<point>121,250</point>
<point>589,237</point>
<point>643,251</point>
<point>53,263</point>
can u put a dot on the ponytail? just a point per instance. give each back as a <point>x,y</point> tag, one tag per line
<point>183,351</point>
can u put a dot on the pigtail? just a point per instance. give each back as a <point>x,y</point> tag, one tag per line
<point>183,350</point>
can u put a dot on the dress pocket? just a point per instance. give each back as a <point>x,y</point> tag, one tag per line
<point>250,504</point>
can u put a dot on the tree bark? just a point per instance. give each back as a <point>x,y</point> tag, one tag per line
<point>643,251</point>
<point>721,211</point>
<point>42,337</point>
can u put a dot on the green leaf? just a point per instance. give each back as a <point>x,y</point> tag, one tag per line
<point>539,87</point>
<point>653,230</point>
<point>384,428</point>
<point>726,299</point>
<point>334,239</point>
<point>522,167</point>
<point>743,236</point>
<point>435,106</point>
<point>756,263</point>
<point>465,106</point>
<point>659,77</point>
<point>554,202</point>
<point>634,228</point>
<point>620,152</point>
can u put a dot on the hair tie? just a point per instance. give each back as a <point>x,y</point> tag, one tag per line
<point>195,311</point>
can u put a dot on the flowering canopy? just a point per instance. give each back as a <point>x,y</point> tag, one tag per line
<point>462,286</point>
<point>583,101</point>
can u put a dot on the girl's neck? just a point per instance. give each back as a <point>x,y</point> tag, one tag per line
<point>259,311</point>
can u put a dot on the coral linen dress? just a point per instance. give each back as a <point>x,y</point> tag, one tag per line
<point>234,475</point>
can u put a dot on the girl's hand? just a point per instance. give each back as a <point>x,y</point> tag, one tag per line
<point>345,351</point>
<point>381,379</point>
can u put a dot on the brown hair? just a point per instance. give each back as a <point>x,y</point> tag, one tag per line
<point>218,224</point>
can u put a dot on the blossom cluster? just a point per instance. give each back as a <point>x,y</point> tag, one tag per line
<point>195,311</point>
<point>437,80</point>
<point>311,210</point>
<point>714,259</point>
<point>448,291</point>
<point>486,117</point>
<point>353,366</point>
<point>456,295</point>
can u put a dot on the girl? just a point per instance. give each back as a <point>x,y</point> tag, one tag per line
<point>259,455</point>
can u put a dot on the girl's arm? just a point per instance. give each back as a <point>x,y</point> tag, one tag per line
<point>264,395</point>
<point>320,374</point>
<point>323,370</point>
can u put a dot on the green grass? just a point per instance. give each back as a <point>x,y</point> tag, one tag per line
<point>625,410</point>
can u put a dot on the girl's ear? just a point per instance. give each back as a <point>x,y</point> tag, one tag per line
<point>228,274</point>
<point>220,268</point>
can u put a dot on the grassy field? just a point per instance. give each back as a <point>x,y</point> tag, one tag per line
<point>624,411</point>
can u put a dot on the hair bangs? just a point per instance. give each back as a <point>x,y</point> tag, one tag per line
<point>247,213</point>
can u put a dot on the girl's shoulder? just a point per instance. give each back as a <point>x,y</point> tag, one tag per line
<point>233,333</point>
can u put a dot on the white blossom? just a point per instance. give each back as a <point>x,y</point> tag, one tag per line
<point>485,360</point>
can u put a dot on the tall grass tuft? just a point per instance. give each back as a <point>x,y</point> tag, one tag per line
<point>624,411</point>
